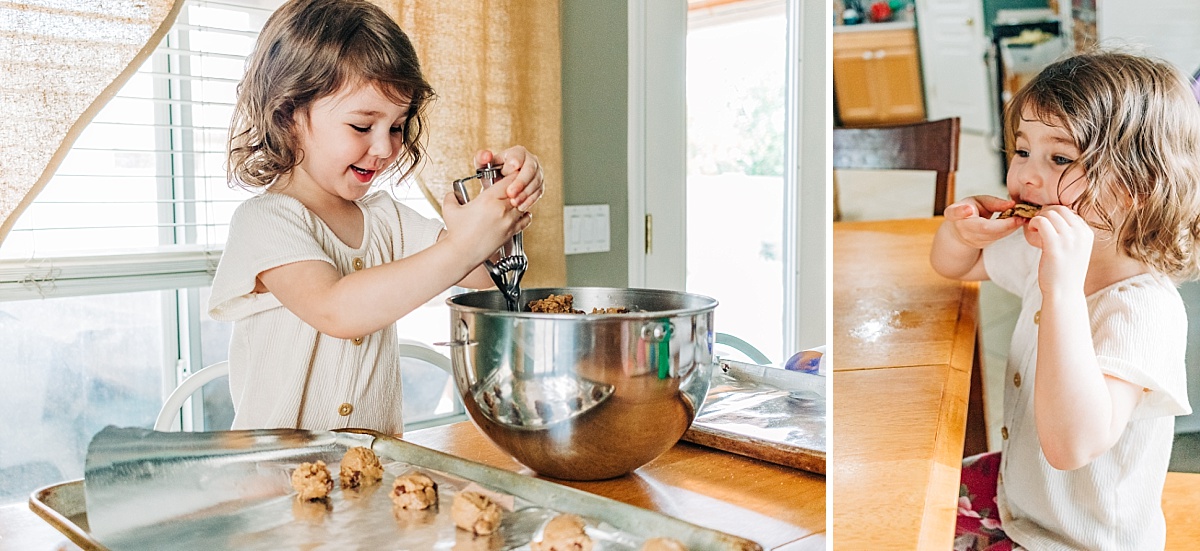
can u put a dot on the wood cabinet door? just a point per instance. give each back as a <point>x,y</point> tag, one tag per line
<point>854,87</point>
<point>898,77</point>
<point>877,77</point>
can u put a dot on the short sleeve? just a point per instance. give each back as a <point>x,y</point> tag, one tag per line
<point>1011,263</point>
<point>1139,330</point>
<point>265,232</point>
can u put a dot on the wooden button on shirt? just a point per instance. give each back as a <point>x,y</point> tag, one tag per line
<point>1003,431</point>
<point>345,409</point>
<point>357,341</point>
<point>358,263</point>
<point>1017,380</point>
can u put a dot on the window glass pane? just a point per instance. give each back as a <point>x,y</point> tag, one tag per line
<point>73,366</point>
<point>214,347</point>
<point>735,169</point>
<point>428,391</point>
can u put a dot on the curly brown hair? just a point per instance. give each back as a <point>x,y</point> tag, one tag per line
<point>310,49</point>
<point>1137,127</point>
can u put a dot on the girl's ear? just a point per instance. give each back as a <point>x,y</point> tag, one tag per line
<point>299,118</point>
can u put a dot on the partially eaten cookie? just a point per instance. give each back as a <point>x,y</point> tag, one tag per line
<point>1022,210</point>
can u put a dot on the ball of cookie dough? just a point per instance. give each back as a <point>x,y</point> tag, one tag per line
<point>312,481</point>
<point>474,512</point>
<point>564,533</point>
<point>360,467</point>
<point>663,544</point>
<point>414,491</point>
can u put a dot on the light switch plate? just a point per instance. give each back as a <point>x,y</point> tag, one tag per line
<point>585,229</point>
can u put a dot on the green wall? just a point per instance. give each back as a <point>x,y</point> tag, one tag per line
<point>595,123</point>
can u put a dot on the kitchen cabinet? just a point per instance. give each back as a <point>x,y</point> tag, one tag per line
<point>877,77</point>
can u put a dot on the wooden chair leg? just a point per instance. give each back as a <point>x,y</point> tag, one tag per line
<point>837,207</point>
<point>976,440</point>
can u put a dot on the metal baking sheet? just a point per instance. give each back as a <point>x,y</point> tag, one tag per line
<point>766,413</point>
<point>155,490</point>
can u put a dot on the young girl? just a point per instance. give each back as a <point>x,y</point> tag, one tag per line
<point>317,270</point>
<point>1108,146</point>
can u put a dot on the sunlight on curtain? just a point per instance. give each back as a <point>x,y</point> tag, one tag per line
<point>99,44</point>
<point>496,68</point>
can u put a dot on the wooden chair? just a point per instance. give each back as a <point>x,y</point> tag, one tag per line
<point>931,145</point>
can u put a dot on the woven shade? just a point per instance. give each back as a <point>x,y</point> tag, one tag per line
<point>496,67</point>
<point>60,62</point>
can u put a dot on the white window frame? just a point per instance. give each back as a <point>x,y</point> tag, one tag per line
<point>181,270</point>
<point>656,153</point>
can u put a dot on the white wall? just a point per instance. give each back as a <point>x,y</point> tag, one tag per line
<point>1167,28</point>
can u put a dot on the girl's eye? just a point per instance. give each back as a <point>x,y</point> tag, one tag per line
<point>1021,152</point>
<point>1060,160</point>
<point>397,129</point>
<point>363,129</point>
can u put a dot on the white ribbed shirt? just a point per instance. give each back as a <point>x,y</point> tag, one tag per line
<point>282,372</point>
<point>1139,331</point>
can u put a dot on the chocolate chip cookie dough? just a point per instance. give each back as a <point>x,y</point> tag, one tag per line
<point>414,491</point>
<point>564,533</point>
<point>360,467</point>
<point>312,481</point>
<point>474,512</point>
<point>663,544</point>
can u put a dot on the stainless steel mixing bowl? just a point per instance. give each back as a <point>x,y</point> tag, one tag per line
<point>583,397</point>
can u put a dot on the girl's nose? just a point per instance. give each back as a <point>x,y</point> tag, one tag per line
<point>1028,174</point>
<point>381,144</point>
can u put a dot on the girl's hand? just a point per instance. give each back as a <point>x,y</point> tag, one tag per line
<point>1066,243</point>
<point>479,227</point>
<point>970,220</point>
<point>957,251</point>
<point>522,175</point>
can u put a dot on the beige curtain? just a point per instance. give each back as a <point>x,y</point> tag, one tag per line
<point>60,62</point>
<point>496,67</point>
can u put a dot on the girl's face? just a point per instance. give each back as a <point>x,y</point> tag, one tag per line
<point>1038,172</point>
<point>347,138</point>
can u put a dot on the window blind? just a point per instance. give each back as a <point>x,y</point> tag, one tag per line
<point>141,200</point>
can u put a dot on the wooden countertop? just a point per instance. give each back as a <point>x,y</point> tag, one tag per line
<point>903,341</point>
<point>778,507</point>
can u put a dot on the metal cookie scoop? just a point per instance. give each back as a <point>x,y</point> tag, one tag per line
<point>508,271</point>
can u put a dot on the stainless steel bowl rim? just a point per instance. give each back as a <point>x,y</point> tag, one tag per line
<point>712,304</point>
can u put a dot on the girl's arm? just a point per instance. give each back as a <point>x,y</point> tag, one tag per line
<point>957,251</point>
<point>1079,412</point>
<point>366,301</point>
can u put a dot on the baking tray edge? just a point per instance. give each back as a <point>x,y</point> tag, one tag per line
<point>43,503</point>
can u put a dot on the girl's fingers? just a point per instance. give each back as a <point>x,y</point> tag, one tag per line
<point>525,220</point>
<point>530,200</point>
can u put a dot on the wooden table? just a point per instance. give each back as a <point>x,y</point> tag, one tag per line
<point>779,507</point>
<point>903,342</point>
